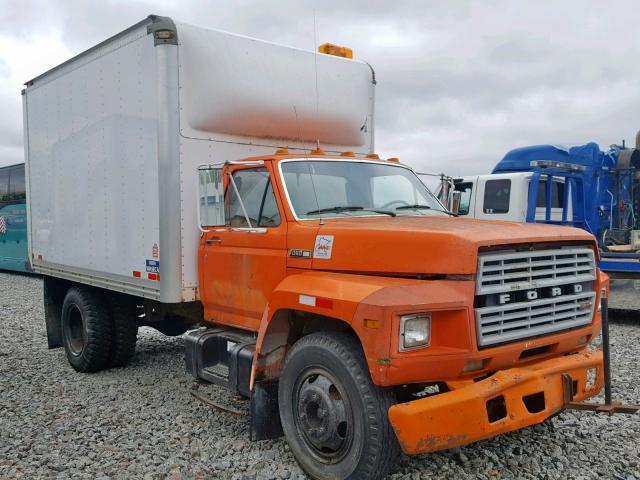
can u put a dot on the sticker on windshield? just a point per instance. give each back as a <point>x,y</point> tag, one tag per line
<point>324,244</point>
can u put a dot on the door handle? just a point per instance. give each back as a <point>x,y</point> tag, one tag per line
<point>213,241</point>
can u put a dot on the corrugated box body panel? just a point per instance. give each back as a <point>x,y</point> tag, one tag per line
<point>92,166</point>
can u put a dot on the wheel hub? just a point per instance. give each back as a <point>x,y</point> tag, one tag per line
<point>321,414</point>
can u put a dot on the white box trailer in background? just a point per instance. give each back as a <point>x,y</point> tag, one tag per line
<point>113,138</point>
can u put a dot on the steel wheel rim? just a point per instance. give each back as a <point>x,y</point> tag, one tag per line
<point>323,415</point>
<point>75,331</point>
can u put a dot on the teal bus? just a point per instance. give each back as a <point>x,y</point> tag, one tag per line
<point>13,219</point>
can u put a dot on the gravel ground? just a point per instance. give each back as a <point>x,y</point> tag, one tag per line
<point>625,295</point>
<point>141,421</point>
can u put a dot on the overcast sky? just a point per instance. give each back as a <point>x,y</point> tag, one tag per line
<point>459,83</point>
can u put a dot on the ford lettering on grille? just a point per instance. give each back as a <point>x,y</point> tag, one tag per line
<point>523,294</point>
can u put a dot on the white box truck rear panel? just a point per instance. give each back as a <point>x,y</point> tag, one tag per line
<point>113,138</point>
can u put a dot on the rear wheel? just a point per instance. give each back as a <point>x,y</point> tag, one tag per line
<point>333,417</point>
<point>86,329</point>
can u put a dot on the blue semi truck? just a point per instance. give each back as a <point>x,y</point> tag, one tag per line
<point>13,219</point>
<point>584,186</point>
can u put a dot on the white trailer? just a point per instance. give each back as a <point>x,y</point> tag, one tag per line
<point>113,138</point>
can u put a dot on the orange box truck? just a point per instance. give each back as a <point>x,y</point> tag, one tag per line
<point>224,188</point>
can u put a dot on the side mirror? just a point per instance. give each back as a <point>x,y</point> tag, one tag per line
<point>210,197</point>
<point>456,197</point>
<point>444,190</point>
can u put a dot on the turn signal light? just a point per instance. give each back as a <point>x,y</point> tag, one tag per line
<point>335,50</point>
<point>603,294</point>
<point>582,341</point>
<point>370,323</point>
<point>472,366</point>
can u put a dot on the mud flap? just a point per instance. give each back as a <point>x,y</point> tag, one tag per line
<point>53,293</point>
<point>264,412</point>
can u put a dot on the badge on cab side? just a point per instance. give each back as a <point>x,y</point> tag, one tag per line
<point>298,253</point>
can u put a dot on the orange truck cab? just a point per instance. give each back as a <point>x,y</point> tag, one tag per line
<point>376,319</point>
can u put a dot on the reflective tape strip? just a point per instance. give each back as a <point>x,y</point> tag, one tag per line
<point>307,300</point>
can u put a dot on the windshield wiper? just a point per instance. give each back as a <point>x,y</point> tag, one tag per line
<point>347,208</point>
<point>425,207</point>
<point>344,208</point>
<point>377,210</point>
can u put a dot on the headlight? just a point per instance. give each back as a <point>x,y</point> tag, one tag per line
<point>415,331</point>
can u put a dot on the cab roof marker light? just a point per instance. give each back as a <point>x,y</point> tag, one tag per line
<point>164,34</point>
<point>373,155</point>
<point>282,151</point>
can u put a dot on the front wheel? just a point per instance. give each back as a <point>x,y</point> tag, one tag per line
<point>334,418</point>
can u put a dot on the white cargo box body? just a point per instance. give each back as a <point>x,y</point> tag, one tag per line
<point>113,138</point>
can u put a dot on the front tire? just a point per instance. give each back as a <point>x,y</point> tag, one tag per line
<point>86,329</point>
<point>334,418</point>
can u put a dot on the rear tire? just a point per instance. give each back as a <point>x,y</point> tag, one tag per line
<point>124,333</point>
<point>86,329</point>
<point>333,416</point>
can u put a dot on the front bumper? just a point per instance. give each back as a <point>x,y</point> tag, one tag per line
<point>506,401</point>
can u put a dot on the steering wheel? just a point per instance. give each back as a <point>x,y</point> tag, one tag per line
<point>388,204</point>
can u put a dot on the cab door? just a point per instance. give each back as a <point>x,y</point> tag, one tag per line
<point>494,200</point>
<point>244,261</point>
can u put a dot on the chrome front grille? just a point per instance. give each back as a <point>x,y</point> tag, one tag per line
<point>522,294</point>
<point>508,271</point>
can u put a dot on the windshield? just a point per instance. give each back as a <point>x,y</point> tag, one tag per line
<point>343,188</point>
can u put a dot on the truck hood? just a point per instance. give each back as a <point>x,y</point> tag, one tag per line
<point>424,245</point>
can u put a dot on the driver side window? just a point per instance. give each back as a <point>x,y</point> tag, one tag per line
<point>257,197</point>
